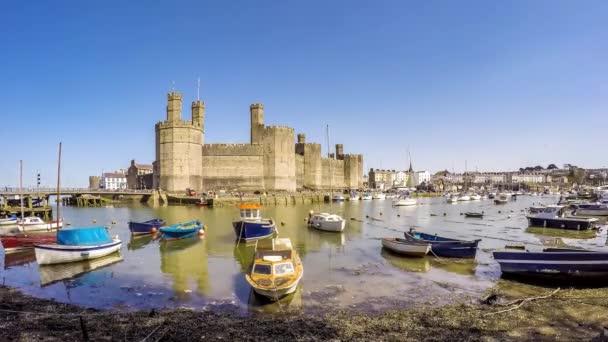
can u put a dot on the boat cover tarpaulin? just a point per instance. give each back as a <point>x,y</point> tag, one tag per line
<point>83,236</point>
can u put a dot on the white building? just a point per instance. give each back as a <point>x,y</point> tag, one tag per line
<point>113,181</point>
<point>528,178</point>
<point>419,177</point>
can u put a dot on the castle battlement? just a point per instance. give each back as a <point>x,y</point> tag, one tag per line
<point>280,128</point>
<point>232,150</point>
<point>174,95</point>
<point>256,106</point>
<point>177,124</point>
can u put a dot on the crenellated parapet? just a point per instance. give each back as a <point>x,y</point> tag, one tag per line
<point>232,150</point>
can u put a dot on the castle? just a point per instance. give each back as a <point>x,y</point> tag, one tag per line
<point>272,161</point>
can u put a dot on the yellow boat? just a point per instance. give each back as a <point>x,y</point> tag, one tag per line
<point>276,270</point>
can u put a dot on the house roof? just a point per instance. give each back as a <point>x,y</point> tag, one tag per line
<point>113,175</point>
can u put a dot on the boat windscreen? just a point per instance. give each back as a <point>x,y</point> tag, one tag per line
<point>283,268</point>
<point>261,269</point>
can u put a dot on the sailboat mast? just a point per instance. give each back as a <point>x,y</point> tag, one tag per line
<point>58,184</point>
<point>331,191</point>
<point>21,187</point>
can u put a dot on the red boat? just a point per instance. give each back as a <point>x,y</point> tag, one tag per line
<point>19,241</point>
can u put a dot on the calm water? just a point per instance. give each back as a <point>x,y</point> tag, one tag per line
<point>343,270</point>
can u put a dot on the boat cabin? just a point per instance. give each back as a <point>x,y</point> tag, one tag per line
<point>274,260</point>
<point>553,211</point>
<point>31,220</point>
<point>250,212</point>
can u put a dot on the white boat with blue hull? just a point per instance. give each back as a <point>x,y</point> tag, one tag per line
<point>555,216</point>
<point>592,209</point>
<point>77,244</point>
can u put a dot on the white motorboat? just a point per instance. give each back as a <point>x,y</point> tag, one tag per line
<point>452,199</point>
<point>354,196</point>
<point>404,201</point>
<point>501,199</point>
<point>34,223</point>
<point>410,248</point>
<point>475,197</point>
<point>77,244</point>
<point>379,195</point>
<point>9,221</point>
<point>327,222</point>
<point>592,209</point>
<point>464,198</point>
<point>337,198</point>
<point>366,197</point>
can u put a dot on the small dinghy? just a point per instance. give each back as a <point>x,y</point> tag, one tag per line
<point>20,241</point>
<point>181,230</point>
<point>474,215</point>
<point>9,221</point>
<point>146,227</point>
<point>77,244</point>
<point>326,222</point>
<point>34,223</point>
<point>554,263</point>
<point>445,247</point>
<point>406,247</point>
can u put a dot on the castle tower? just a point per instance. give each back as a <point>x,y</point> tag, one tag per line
<point>301,138</point>
<point>257,122</point>
<point>339,151</point>
<point>174,106</point>
<point>198,114</point>
<point>179,144</point>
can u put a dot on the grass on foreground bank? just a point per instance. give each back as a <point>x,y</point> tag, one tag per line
<point>566,315</point>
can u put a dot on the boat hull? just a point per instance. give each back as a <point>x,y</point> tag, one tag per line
<point>181,230</point>
<point>404,203</point>
<point>245,230</point>
<point>276,294</point>
<point>499,201</point>
<point>444,247</point>
<point>53,225</point>
<point>8,222</point>
<point>148,227</point>
<point>570,224</point>
<point>581,265</point>
<point>328,226</point>
<point>592,212</point>
<point>406,248</point>
<point>16,242</point>
<point>59,254</point>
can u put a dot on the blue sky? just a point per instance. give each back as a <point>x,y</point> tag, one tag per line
<point>501,84</point>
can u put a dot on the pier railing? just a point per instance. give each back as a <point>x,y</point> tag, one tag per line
<point>71,191</point>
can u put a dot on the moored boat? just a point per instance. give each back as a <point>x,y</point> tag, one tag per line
<point>475,197</point>
<point>337,198</point>
<point>276,270</point>
<point>555,216</point>
<point>554,262</point>
<point>592,209</point>
<point>181,230</point>
<point>146,227</point>
<point>327,222</point>
<point>473,215</point>
<point>33,223</point>
<point>20,241</point>
<point>501,199</point>
<point>77,244</point>
<point>464,198</point>
<point>366,196</point>
<point>354,196</point>
<point>452,198</point>
<point>445,247</point>
<point>404,201</point>
<point>9,221</point>
<point>379,196</point>
<point>406,247</point>
<point>251,225</point>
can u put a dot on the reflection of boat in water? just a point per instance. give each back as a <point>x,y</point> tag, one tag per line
<point>406,264</point>
<point>291,302</point>
<point>172,246</point>
<point>140,241</point>
<point>243,254</point>
<point>461,266</point>
<point>18,258</point>
<point>562,233</point>
<point>50,274</point>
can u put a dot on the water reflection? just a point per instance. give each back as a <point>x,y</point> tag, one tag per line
<point>564,233</point>
<point>406,264</point>
<point>186,261</point>
<point>139,241</point>
<point>460,266</point>
<point>50,274</point>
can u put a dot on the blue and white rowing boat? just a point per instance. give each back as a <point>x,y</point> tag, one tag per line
<point>445,247</point>
<point>77,244</point>
<point>181,230</point>
<point>9,221</point>
<point>554,262</point>
<point>146,227</point>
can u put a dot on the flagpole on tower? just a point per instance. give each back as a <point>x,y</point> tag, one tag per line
<point>198,89</point>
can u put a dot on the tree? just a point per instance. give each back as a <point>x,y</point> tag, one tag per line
<point>577,175</point>
<point>538,168</point>
<point>552,167</point>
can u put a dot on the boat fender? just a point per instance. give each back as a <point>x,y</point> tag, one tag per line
<point>201,233</point>
<point>113,222</point>
<point>205,227</point>
<point>94,221</point>
<point>153,230</point>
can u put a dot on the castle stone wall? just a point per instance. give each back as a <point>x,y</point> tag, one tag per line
<point>179,155</point>
<point>312,166</point>
<point>299,171</point>
<point>233,166</point>
<point>336,167</point>
<point>353,171</point>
